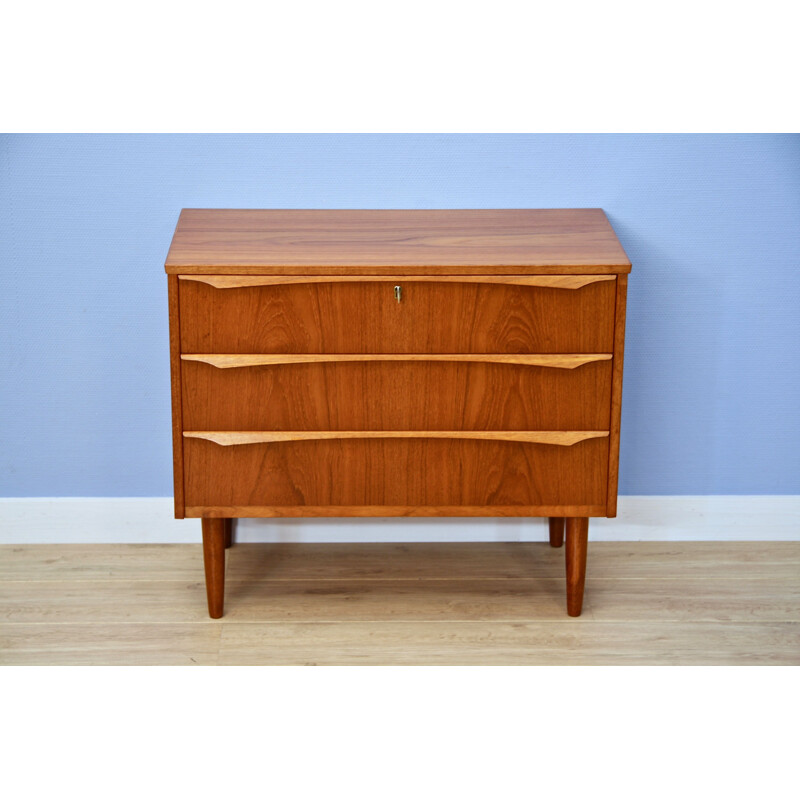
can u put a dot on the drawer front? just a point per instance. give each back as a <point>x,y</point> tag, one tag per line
<point>416,472</point>
<point>434,315</point>
<point>397,395</point>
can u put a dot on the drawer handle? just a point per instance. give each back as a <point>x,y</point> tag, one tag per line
<point>546,281</point>
<point>227,438</point>
<point>398,293</point>
<point>559,361</point>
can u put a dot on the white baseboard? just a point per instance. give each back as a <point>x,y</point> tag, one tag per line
<point>47,520</point>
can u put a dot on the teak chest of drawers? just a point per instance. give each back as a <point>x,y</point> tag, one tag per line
<point>396,363</point>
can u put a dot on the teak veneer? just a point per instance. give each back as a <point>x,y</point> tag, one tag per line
<point>396,363</point>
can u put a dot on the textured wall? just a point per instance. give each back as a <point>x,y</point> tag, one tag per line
<point>711,223</point>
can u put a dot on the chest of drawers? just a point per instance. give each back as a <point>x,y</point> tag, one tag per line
<point>396,363</point>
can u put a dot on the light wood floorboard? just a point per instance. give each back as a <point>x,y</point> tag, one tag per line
<point>575,642</point>
<point>97,643</point>
<point>498,603</point>
<point>82,562</point>
<point>522,560</point>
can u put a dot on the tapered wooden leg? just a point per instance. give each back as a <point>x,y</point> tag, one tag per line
<point>214,557</point>
<point>577,539</point>
<point>228,533</point>
<point>556,531</point>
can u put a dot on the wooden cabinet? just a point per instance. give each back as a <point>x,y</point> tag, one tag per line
<point>396,363</point>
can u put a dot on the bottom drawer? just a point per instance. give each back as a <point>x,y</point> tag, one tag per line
<point>413,472</point>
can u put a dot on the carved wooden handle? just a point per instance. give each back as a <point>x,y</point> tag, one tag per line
<point>559,361</point>
<point>227,438</point>
<point>547,281</point>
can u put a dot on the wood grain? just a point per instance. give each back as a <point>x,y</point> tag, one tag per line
<point>117,601</point>
<point>406,362</point>
<point>676,564</point>
<point>100,562</point>
<point>616,394</point>
<point>264,600</point>
<point>451,598</point>
<point>385,395</point>
<point>561,361</point>
<point>364,318</point>
<point>672,565</point>
<point>230,438</point>
<point>551,281</point>
<point>648,603</point>
<point>491,510</point>
<point>110,644</point>
<point>403,472</point>
<point>443,642</point>
<point>582,641</point>
<point>214,531</point>
<point>175,383</point>
<point>556,532</point>
<point>642,583</point>
<point>276,240</point>
<point>577,541</point>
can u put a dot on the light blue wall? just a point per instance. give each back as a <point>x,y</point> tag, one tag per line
<point>711,223</point>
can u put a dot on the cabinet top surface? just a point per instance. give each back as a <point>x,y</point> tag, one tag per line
<point>250,241</point>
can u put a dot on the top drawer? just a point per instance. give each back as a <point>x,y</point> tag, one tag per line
<point>530,314</point>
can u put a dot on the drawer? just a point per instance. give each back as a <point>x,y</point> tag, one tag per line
<point>549,392</point>
<point>530,314</point>
<point>396,472</point>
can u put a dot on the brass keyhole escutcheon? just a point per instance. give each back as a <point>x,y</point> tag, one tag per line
<point>398,293</point>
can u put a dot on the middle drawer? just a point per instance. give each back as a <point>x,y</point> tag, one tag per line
<point>381,394</point>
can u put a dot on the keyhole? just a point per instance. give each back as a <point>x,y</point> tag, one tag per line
<point>398,293</point>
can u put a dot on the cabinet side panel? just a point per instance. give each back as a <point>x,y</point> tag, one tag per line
<point>616,394</point>
<point>175,378</point>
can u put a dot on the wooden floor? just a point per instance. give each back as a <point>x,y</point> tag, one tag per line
<point>646,603</point>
